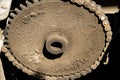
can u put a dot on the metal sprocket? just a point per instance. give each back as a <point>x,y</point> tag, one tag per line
<point>80,42</point>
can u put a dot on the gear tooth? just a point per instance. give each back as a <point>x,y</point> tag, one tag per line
<point>30,72</point>
<point>9,19</point>
<point>88,70</point>
<point>22,6</point>
<point>17,10</point>
<point>109,36</point>
<point>6,34</point>
<point>77,75</point>
<point>79,2</point>
<point>106,46</point>
<point>87,3</point>
<point>11,58</point>
<point>15,62</point>
<point>107,27</point>
<point>28,3</point>
<point>24,70</point>
<point>6,42</point>
<point>12,15</point>
<point>93,6</point>
<point>60,78</point>
<point>66,77</point>
<point>20,66</point>
<point>4,49</point>
<point>105,23</point>
<point>53,78</point>
<point>101,56</point>
<point>34,1</point>
<point>6,39</point>
<point>97,63</point>
<point>47,77</point>
<point>7,54</point>
<point>50,78</point>
<point>8,23</point>
<point>94,66</point>
<point>72,77</point>
<point>7,46</point>
<point>99,10</point>
<point>83,73</point>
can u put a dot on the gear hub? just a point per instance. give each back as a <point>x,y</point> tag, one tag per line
<point>56,43</point>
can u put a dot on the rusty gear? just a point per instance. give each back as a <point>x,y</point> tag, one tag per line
<point>56,39</point>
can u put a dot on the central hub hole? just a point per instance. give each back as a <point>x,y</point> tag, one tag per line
<point>56,45</point>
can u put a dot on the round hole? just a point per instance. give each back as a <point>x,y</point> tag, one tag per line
<point>56,45</point>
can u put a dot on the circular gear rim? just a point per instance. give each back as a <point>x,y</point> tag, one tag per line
<point>93,7</point>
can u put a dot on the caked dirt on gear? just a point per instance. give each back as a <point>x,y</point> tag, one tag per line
<point>57,39</point>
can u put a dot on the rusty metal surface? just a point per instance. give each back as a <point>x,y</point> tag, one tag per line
<point>27,38</point>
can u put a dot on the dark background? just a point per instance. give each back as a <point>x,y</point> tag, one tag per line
<point>103,72</point>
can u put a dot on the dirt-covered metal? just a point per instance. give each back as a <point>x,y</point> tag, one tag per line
<point>57,39</point>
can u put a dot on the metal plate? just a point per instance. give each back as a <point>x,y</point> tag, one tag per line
<point>30,29</point>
